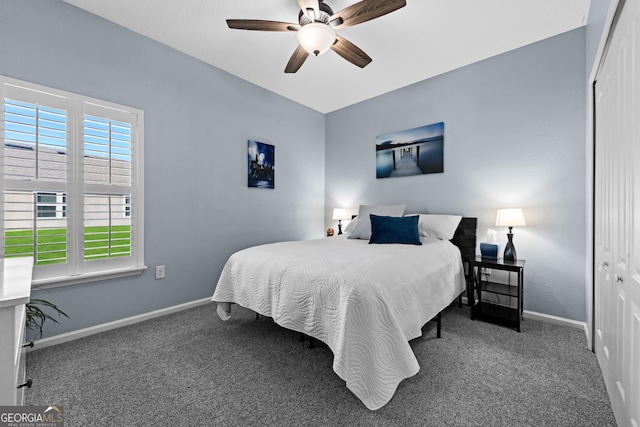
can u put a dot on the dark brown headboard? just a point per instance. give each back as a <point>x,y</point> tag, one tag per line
<point>465,238</point>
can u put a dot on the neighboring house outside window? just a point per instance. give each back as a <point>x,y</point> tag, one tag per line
<point>127,206</point>
<point>51,205</point>
<point>72,178</point>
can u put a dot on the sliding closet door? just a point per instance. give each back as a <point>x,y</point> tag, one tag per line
<point>617,216</point>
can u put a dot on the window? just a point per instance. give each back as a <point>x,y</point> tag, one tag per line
<point>72,178</point>
<point>51,205</point>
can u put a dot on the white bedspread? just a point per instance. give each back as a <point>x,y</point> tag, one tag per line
<point>365,301</point>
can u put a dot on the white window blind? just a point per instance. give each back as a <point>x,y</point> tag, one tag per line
<point>72,178</point>
<point>35,141</point>
<point>107,150</point>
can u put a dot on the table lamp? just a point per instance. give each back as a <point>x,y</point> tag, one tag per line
<point>340,214</point>
<point>510,218</point>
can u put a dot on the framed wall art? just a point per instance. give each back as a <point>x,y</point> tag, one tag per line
<point>261,162</point>
<point>411,152</point>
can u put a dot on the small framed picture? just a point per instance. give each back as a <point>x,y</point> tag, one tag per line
<point>262,165</point>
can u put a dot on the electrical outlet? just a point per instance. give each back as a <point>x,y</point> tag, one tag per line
<point>160,272</point>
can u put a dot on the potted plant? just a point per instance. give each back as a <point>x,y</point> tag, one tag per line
<point>36,317</point>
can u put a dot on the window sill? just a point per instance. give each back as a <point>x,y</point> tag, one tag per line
<point>54,282</point>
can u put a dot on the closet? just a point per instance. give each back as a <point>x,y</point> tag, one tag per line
<point>617,214</point>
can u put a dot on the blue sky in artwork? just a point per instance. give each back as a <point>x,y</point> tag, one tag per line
<point>401,137</point>
<point>264,153</point>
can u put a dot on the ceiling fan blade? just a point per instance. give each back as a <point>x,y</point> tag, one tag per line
<point>261,25</point>
<point>364,11</point>
<point>350,52</point>
<point>297,59</point>
<point>307,5</point>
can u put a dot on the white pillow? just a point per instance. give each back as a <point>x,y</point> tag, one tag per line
<point>352,224</point>
<point>362,229</point>
<point>438,226</point>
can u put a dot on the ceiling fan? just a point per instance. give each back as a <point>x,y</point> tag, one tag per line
<point>316,28</point>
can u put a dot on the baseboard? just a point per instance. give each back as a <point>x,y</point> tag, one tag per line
<point>81,333</point>
<point>556,320</point>
<point>551,319</point>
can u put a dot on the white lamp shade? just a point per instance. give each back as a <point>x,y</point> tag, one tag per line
<point>316,37</point>
<point>339,214</point>
<point>510,218</point>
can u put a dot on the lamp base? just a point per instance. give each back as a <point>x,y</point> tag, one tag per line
<point>339,227</point>
<point>510,250</point>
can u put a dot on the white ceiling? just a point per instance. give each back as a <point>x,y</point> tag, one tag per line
<point>421,40</point>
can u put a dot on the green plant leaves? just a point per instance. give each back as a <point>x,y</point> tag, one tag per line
<point>36,317</point>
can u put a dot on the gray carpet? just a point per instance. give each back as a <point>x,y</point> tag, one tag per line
<point>192,369</point>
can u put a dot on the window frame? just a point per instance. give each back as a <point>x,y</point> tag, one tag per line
<point>77,268</point>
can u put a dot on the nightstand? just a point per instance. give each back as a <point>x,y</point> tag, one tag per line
<point>495,301</point>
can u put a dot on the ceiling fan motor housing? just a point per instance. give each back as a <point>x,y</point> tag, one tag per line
<point>325,13</point>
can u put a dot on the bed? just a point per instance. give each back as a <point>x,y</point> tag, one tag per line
<point>364,301</point>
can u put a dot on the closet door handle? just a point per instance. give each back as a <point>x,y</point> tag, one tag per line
<point>618,278</point>
<point>605,264</point>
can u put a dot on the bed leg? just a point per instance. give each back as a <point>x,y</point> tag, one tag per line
<point>304,336</point>
<point>439,325</point>
<point>460,301</point>
<point>257,316</point>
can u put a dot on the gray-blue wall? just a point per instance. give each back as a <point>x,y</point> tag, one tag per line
<point>514,137</point>
<point>198,209</point>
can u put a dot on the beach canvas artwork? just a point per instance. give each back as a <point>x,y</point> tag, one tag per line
<point>261,162</point>
<point>410,152</point>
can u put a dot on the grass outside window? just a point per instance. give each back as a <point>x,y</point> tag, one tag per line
<point>99,243</point>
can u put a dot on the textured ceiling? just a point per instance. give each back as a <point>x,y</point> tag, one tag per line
<point>421,40</point>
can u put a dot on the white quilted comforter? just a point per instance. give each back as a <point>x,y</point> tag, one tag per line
<point>365,301</point>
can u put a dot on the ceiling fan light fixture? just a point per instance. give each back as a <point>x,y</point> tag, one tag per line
<point>316,37</point>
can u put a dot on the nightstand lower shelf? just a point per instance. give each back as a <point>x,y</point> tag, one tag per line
<point>496,313</point>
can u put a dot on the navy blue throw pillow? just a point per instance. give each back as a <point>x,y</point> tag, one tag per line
<point>395,229</point>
